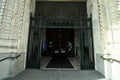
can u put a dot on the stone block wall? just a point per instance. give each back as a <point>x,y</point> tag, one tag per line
<point>6,18</point>
<point>106,30</point>
<point>14,28</point>
<point>114,31</point>
<point>4,70</point>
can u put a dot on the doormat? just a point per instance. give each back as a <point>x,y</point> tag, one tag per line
<point>59,61</point>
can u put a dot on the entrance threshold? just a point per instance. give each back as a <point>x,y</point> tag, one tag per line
<point>59,69</point>
<point>74,61</point>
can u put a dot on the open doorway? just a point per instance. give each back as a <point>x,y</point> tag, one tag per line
<point>63,35</point>
<point>60,40</point>
<point>59,48</point>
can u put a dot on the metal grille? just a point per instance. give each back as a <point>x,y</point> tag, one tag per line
<point>53,22</point>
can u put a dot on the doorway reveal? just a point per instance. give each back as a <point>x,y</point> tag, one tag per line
<point>64,34</point>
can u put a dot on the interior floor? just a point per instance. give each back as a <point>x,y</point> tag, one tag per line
<point>75,61</point>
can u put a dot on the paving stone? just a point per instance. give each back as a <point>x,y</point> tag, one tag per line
<point>36,74</point>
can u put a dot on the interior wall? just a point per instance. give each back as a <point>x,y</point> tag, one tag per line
<point>32,7</point>
<point>43,36</point>
<point>89,7</point>
<point>77,42</point>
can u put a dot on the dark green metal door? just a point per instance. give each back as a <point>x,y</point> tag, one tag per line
<point>33,53</point>
<point>86,47</point>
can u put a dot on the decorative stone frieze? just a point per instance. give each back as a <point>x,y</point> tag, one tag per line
<point>102,21</point>
<point>11,22</point>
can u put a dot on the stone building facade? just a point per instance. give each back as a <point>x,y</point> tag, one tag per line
<point>14,31</point>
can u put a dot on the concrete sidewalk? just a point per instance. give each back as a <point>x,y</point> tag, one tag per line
<point>36,74</point>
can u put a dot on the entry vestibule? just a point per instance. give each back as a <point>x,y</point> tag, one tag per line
<point>59,14</point>
<point>60,41</point>
<point>63,28</point>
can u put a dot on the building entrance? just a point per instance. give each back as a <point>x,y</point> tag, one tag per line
<point>64,35</point>
<point>60,41</point>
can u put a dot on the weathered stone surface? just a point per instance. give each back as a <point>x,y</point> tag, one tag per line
<point>12,34</point>
<point>4,69</point>
<point>14,27</point>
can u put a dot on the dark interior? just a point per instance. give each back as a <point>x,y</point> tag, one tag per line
<point>60,20</point>
<point>59,41</point>
<point>58,60</point>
